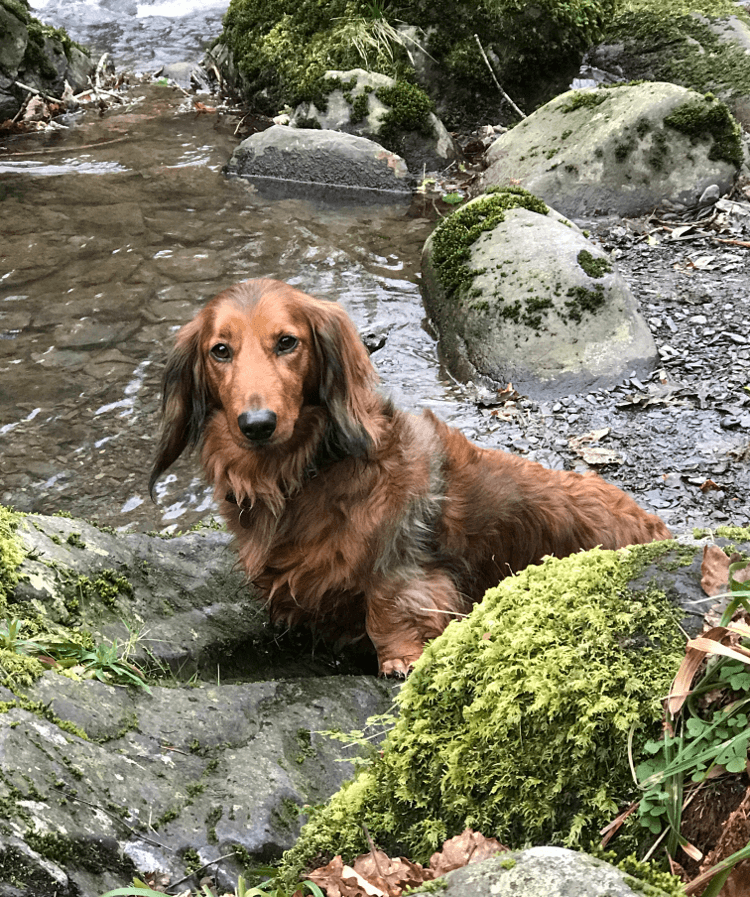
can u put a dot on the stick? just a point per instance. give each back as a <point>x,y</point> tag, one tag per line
<point>41,93</point>
<point>492,72</point>
<point>114,816</point>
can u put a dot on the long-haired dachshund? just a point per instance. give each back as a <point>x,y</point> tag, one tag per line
<point>349,514</point>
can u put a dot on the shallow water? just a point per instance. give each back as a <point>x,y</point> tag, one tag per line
<point>113,234</point>
<point>141,35</point>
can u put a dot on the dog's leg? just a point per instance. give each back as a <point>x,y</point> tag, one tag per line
<point>402,615</point>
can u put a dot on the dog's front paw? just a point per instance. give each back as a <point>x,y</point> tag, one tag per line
<point>398,667</point>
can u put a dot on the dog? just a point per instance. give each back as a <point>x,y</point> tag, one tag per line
<point>351,515</point>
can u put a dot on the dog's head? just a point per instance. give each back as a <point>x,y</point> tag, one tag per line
<point>258,354</point>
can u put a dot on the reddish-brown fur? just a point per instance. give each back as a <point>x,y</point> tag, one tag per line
<point>349,514</point>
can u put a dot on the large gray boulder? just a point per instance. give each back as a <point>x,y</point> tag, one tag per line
<point>37,56</point>
<point>215,758</point>
<point>530,301</point>
<point>313,161</point>
<point>396,114</point>
<point>622,150</point>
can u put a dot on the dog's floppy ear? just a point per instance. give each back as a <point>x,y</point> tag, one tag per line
<point>347,378</point>
<point>185,400</point>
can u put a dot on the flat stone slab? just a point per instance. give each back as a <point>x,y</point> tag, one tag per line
<point>326,162</point>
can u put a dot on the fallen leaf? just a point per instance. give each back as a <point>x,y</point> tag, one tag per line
<point>392,875</point>
<point>714,570</point>
<point>509,394</point>
<point>703,262</point>
<point>468,847</point>
<point>709,485</point>
<point>591,454</point>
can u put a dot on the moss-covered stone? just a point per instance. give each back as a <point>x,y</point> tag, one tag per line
<point>680,42</point>
<point>516,720</point>
<point>283,48</point>
<point>455,235</point>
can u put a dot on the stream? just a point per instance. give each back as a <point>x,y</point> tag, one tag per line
<point>115,230</point>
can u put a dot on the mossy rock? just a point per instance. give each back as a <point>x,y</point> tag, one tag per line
<point>703,45</point>
<point>622,150</point>
<point>516,720</point>
<point>520,296</point>
<point>37,55</point>
<point>282,49</point>
<point>394,113</point>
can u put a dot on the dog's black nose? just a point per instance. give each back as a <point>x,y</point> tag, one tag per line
<point>257,426</point>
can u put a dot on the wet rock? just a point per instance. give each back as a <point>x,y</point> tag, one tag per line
<point>374,106</point>
<point>553,871</point>
<point>538,306</point>
<point>38,56</point>
<point>330,161</point>
<point>620,151</point>
<point>99,782</point>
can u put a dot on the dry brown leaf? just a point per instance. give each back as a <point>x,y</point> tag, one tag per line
<point>714,570</point>
<point>392,875</point>
<point>508,394</point>
<point>696,650</point>
<point>340,880</point>
<point>468,847</point>
<point>375,874</point>
<point>585,447</point>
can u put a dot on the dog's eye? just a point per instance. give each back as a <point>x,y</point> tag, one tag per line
<point>221,352</point>
<point>286,344</point>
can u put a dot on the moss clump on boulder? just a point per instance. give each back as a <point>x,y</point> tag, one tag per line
<point>455,235</point>
<point>282,49</point>
<point>515,721</point>
<point>709,119</point>
<point>594,267</point>
<point>11,555</point>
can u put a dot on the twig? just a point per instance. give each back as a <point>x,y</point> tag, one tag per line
<point>492,72</point>
<point>373,851</point>
<point>24,105</point>
<point>114,816</point>
<point>227,856</point>
<point>41,93</point>
<point>732,242</point>
<point>99,75</point>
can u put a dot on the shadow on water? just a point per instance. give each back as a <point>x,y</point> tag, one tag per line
<point>112,235</point>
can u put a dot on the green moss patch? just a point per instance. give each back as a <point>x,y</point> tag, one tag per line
<point>710,120</point>
<point>283,48</point>
<point>595,267</point>
<point>516,721</point>
<point>455,235</point>
<point>11,555</point>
